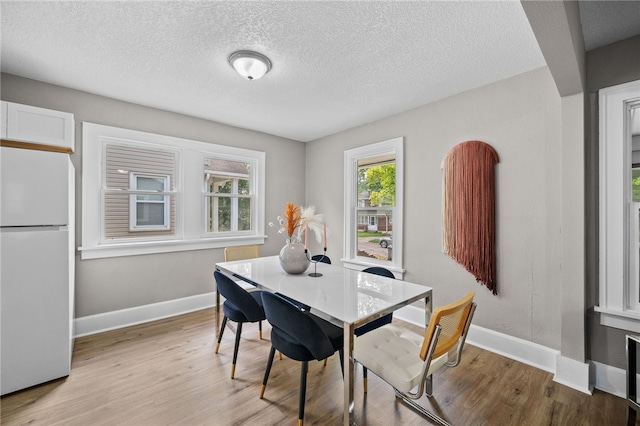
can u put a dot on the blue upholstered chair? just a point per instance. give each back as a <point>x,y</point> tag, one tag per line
<point>240,306</point>
<point>321,258</point>
<point>301,336</point>
<point>377,270</point>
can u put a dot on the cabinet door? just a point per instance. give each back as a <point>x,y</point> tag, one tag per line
<point>39,125</point>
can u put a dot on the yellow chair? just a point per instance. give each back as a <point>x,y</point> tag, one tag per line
<point>241,252</point>
<point>407,360</point>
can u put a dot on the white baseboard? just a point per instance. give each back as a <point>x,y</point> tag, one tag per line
<point>574,374</point>
<point>93,324</point>
<point>512,347</point>
<point>567,371</point>
<point>611,379</point>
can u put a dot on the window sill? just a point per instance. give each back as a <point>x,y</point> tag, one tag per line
<point>360,265</point>
<point>155,247</point>
<point>624,320</point>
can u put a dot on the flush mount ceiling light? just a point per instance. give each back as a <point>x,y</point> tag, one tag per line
<point>250,65</point>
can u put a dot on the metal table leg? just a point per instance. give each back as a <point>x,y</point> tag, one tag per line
<point>349,374</point>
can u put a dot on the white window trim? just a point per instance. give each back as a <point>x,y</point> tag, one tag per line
<point>190,209</point>
<point>618,304</point>
<point>351,157</point>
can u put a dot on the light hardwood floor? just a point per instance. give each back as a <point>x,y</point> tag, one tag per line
<point>166,373</point>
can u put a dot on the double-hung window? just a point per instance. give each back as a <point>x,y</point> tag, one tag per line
<point>619,281</point>
<point>145,193</point>
<point>373,206</point>
<point>228,195</point>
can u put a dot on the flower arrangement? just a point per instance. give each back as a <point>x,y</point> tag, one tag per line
<point>298,220</point>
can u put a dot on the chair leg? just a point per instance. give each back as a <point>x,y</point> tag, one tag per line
<point>364,378</point>
<point>224,323</point>
<point>267,371</point>
<point>325,362</point>
<point>235,349</point>
<point>341,355</point>
<point>421,409</point>
<point>260,328</point>
<point>303,391</point>
<point>428,387</point>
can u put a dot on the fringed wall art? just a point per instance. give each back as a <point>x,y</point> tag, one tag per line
<point>469,209</point>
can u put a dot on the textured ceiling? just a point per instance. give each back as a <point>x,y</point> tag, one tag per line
<point>605,22</point>
<point>336,65</point>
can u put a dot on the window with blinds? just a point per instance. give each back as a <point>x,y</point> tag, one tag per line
<point>139,192</point>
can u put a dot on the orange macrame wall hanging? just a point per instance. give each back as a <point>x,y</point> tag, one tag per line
<point>469,209</point>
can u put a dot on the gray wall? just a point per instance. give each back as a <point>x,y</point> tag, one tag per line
<point>521,118</point>
<point>606,66</point>
<point>105,285</point>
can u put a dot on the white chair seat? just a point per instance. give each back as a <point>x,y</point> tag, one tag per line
<point>392,353</point>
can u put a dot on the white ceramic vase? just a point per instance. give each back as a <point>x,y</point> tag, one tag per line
<point>293,259</point>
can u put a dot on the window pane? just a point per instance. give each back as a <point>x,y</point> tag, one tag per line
<point>375,234</point>
<point>376,183</point>
<point>220,185</point>
<point>244,214</point>
<point>635,184</point>
<point>243,187</point>
<point>148,183</point>
<point>226,177</point>
<point>376,188</point>
<point>150,214</point>
<point>223,214</point>
<point>232,213</point>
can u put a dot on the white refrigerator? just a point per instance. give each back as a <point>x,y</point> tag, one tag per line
<point>37,247</point>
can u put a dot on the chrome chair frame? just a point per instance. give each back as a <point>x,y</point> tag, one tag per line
<point>426,382</point>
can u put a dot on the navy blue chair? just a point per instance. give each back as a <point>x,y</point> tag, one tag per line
<point>321,258</point>
<point>301,336</point>
<point>240,306</point>
<point>376,323</point>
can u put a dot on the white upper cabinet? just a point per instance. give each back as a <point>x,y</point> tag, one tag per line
<point>46,127</point>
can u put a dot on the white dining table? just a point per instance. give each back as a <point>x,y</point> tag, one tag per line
<point>345,297</point>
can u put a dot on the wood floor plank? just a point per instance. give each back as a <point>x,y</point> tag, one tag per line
<point>166,373</point>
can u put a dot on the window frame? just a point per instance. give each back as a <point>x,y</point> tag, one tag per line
<point>134,202</point>
<point>351,208</point>
<point>619,304</point>
<point>234,196</point>
<point>190,223</point>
